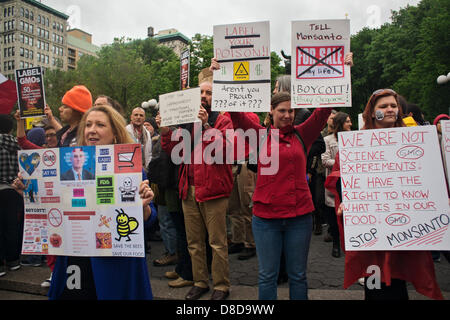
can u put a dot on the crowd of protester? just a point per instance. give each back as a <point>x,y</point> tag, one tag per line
<point>206,212</point>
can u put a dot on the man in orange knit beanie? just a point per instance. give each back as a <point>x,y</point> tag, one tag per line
<point>75,103</point>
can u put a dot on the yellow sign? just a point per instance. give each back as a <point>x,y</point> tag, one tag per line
<point>241,71</point>
<point>409,122</point>
<point>32,122</point>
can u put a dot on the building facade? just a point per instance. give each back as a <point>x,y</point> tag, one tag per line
<point>31,34</point>
<point>79,43</point>
<point>171,38</point>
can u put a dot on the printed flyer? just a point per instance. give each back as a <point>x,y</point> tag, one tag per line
<point>31,93</point>
<point>83,201</point>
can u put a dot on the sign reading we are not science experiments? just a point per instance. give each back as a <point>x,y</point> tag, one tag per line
<point>393,190</point>
<point>83,201</point>
<point>319,76</point>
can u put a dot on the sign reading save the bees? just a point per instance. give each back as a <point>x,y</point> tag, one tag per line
<point>83,201</point>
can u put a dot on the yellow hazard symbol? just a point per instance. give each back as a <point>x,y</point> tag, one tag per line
<point>241,71</point>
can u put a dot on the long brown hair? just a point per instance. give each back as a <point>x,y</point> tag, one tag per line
<point>369,121</point>
<point>338,122</point>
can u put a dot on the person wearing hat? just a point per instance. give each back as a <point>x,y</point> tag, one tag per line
<point>151,126</point>
<point>75,103</point>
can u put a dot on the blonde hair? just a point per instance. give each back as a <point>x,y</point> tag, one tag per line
<point>118,124</point>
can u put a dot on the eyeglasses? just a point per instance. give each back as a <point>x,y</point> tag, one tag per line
<point>377,92</point>
<point>50,135</point>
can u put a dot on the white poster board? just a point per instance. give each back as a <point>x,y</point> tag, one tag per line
<point>243,82</point>
<point>319,76</point>
<point>445,128</point>
<point>180,107</point>
<point>99,215</point>
<point>393,190</point>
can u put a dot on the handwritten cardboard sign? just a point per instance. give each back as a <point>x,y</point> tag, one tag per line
<point>393,190</point>
<point>180,107</point>
<point>243,81</point>
<point>445,146</point>
<point>31,93</point>
<point>319,76</point>
<point>98,213</point>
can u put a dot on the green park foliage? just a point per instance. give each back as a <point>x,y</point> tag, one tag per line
<point>406,54</point>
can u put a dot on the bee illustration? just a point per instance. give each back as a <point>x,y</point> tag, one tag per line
<point>125,225</point>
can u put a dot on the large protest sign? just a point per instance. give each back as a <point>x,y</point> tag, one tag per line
<point>185,62</point>
<point>83,201</point>
<point>30,91</point>
<point>393,190</point>
<point>179,107</point>
<point>243,81</point>
<point>319,76</point>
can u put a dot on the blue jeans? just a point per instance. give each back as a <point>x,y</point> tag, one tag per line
<point>292,235</point>
<point>167,229</point>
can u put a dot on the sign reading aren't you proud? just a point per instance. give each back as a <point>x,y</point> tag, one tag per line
<point>243,82</point>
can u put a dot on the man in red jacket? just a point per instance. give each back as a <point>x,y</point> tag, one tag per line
<point>204,188</point>
<point>239,206</point>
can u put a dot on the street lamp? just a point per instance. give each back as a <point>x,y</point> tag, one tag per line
<point>149,104</point>
<point>442,79</point>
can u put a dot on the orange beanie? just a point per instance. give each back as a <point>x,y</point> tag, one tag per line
<point>78,98</point>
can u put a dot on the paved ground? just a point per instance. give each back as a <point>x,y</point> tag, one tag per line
<point>325,278</point>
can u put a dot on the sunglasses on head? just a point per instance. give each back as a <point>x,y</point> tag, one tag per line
<point>377,92</point>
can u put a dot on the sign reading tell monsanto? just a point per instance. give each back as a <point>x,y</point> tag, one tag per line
<point>319,76</point>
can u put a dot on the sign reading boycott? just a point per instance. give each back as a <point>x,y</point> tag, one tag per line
<point>319,76</point>
<point>180,107</point>
<point>30,90</point>
<point>243,81</point>
<point>393,190</point>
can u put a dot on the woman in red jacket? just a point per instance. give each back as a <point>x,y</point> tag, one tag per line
<point>282,202</point>
<point>397,267</point>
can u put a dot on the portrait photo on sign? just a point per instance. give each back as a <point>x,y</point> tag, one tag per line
<point>77,163</point>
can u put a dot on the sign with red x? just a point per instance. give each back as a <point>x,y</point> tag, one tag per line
<point>320,77</point>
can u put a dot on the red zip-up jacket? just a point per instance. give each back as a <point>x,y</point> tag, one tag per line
<point>416,267</point>
<point>211,181</point>
<point>285,194</point>
<point>238,138</point>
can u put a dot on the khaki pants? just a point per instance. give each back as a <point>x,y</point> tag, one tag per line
<point>201,218</point>
<point>239,210</point>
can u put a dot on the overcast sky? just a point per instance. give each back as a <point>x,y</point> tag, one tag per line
<point>107,19</point>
